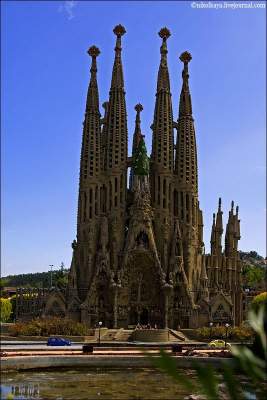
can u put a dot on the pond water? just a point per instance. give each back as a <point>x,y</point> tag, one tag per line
<point>94,384</point>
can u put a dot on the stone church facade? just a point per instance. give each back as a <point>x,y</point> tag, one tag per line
<point>139,255</point>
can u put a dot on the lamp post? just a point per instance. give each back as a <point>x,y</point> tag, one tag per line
<point>51,274</point>
<point>211,325</point>
<point>99,324</point>
<point>226,333</point>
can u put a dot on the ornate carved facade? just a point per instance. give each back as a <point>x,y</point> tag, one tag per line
<point>139,253</point>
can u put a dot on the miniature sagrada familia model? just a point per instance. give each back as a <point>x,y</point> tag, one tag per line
<point>139,254</point>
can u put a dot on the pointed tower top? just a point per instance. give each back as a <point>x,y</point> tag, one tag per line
<point>117,74</point>
<point>236,210</point>
<point>220,204</point>
<point>185,106</point>
<point>137,137</point>
<point>164,33</point>
<point>93,51</point>
<point>185,57</point>
<point>138,108</point>
<point>232,206</point>
<point>137,132</point>
<point>119,30</point>
<point>92,94</point>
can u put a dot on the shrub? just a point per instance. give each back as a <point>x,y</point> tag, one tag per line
<point>238,333</point>
<point>242,333</point>
<point>48,327</point>
<point>5,309</point>
<point>216,332</point>
<point>258,301</point>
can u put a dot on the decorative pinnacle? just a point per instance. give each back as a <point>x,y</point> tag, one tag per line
<point>232,205</point>
<point>236,210</point>
<point>93,51</point>
<point>138,107</point>
<point>164,33</point>
<point>185,57</point>
<point>119,30</point>
<point>214,218</point>
<point>220,204</point>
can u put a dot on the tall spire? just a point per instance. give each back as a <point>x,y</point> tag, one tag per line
<point>162,137</point>
<point>163,73</point>
<point>137,136</point>
<point>90,168</point>
<point>232,234</point>
<point>212,236</point>
<point>219,228</point>
<point>117,73</point>
<point>217,231</point>
<point>185,107</point>
<point>162,143</point>
<point>90,156</point>
<point>116,117</point>
<point>116,132</point>
<point>92,102</point>
<point>104,137</point>
<point>186,151</point>
<point>137,131</point>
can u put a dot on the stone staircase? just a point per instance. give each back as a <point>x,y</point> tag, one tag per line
<point>176,336</point>
<point>145,335</point>
<point>124,335</point>
<point>110,335</point>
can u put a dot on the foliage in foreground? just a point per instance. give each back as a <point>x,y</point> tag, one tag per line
<point>47,327</point>
<point>5,309</point>
<point>249,362</point>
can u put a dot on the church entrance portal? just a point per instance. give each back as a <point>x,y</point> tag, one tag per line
<point>144,320</point>
<point>144,299</point>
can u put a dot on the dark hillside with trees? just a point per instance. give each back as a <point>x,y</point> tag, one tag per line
<point>254,270</point>
<point>37,279</point>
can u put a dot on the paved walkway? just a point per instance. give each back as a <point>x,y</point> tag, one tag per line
<point>97,351</point>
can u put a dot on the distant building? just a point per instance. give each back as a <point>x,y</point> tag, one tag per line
<point>139,254</point>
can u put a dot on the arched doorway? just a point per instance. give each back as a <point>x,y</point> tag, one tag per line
<point>144,317</point>
<point>143,289</point>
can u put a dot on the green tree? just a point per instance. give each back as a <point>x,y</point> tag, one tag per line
<point>3,282</point>
<point>5,309</point>
<point>253,274</point>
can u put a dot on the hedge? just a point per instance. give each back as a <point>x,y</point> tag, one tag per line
<point>49,326</point>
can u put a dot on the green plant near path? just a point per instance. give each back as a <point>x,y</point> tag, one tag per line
<point>5,309</point>
<point>249,363</point>
<point>259,301</point>
<point>50,326</point>
<point>237,333</point>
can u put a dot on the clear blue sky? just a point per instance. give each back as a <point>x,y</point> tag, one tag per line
<point>45,72</point>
